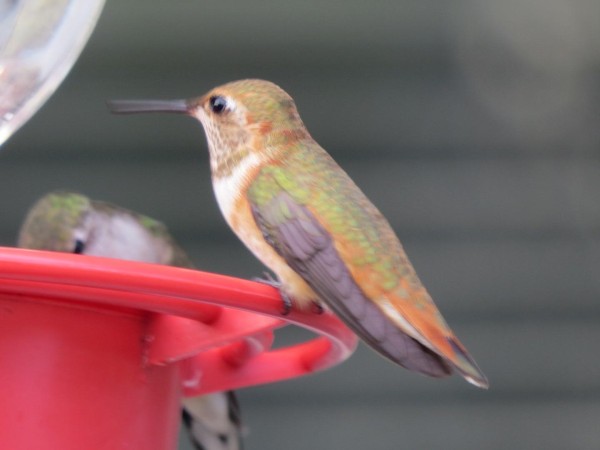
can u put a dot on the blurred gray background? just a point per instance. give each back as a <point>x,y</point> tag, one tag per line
<point>473,125</point>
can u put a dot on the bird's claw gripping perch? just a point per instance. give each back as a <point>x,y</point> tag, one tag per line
<point>269,280</point>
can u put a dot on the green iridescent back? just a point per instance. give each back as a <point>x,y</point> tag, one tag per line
<point>313,179</point>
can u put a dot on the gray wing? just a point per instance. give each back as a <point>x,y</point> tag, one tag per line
<point>309,250</point>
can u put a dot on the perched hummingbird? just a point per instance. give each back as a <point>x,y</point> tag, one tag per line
<point>72,223</point>
<point>305,219</point>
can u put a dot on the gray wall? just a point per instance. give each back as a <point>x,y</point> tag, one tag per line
<point>473,125</point>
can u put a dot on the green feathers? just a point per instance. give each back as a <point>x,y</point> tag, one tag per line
<point>50,221</point>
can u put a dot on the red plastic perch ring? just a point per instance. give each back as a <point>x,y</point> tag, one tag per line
<point>218,326</point>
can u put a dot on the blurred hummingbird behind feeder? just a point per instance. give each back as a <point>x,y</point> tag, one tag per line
<point>72,223</point>
<point>305,219</point>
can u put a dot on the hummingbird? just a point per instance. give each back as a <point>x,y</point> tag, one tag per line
<point>72,223</point>
<point>303,217</point>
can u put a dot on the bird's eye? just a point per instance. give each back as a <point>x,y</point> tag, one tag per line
<point>79,247</point>
<point>217,104</point>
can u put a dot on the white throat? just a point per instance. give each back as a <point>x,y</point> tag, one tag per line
<point>230,187</point>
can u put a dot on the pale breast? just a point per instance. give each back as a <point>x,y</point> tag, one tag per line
<point>230,192</point>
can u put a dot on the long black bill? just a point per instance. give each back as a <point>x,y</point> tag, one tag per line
<point>148,106</point>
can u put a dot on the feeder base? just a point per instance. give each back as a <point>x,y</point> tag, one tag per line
<point>74,378</point>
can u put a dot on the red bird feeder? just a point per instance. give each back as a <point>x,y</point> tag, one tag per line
<point>97,352</point>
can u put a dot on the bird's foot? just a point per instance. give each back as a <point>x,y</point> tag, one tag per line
<point>317,308</point>
<point>271,281</point>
